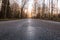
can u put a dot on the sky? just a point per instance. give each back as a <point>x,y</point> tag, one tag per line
<point>59,3</point>
<point>30,3</point>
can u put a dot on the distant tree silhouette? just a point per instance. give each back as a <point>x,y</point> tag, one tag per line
<point>23,4</point>
<point>43,8</point>
<point>15,10</point>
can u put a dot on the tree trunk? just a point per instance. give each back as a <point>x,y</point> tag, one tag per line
<point>4,9</point>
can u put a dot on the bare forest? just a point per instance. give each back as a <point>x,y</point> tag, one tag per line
<point>40,9</point>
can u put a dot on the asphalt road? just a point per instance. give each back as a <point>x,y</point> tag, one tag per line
<point>29,29</point>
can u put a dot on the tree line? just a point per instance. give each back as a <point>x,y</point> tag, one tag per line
<point>41,11</point>
<point>44,11</point>
<point>12,11</point>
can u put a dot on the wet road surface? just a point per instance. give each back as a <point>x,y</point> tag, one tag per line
<point>29,29</point>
